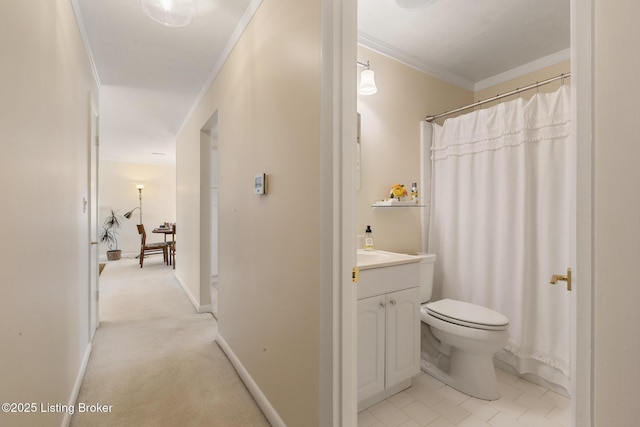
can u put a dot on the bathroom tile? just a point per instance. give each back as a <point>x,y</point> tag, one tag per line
<point>425,395</point>
<point>378,405</point>
<point>560,416</point>
<point>504,420</point>
<point>508,407</point>
<point>529,387</point>
<point>557,400</point>
<point>429,402</point>
<point>428,380</point>
<point>420,413</point>
<point>452,394</point>
<point>473,421</point>
<point>366,419</point>
<point>389,415</point>
<point>401,399</point>
<point>531,419</point>
<point>480,408</point>
<point>509,392</point>
<point>451,411</point>
<point>441,422</point>
<point>410,423</point>
<point>534,404</point>
<point>506,377</point>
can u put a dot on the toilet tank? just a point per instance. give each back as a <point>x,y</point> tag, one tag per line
<point>427,265</point>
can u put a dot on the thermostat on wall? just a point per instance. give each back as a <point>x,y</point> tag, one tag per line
<point>260,184</point>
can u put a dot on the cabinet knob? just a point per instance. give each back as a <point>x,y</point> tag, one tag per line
<point>381,304</point>
<point>393,301</point>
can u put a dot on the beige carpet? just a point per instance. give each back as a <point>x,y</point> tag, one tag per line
<point>155,360</point>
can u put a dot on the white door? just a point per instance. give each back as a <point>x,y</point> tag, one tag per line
<point>371,346</point>
<point>403,335</point>
<point>94,316</point>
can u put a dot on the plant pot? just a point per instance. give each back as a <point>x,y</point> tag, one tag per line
<point>114,255</point>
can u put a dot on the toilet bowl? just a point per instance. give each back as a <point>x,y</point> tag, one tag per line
<point>466,338</point>
<point>459,340</point>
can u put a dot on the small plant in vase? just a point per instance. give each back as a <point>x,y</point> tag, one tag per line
<point>109,235</point>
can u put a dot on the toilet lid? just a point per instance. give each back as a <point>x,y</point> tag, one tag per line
<point>467,314</point>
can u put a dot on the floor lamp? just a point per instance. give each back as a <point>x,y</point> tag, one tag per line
<point>139,207</point>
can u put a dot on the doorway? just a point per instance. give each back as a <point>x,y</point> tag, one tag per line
<point>94,292</point>
<point>581,53</point>
<point>209,181</point>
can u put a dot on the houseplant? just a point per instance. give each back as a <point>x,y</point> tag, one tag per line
<point>109,234</point>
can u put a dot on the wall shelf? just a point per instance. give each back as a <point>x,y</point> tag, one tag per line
<point>388,204</point>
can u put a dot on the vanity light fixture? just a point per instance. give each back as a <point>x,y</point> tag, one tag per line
<point>172,13</point>
<point>367,81</point>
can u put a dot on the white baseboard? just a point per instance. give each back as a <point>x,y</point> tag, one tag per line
<point>260,398</point>
<point>206,308</point>
<point>76,386</point>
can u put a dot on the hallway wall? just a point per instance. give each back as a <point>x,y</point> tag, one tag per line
<point>47,86</point>
<point>268,100</point>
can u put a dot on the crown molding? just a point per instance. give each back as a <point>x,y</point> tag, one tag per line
<point>85,40</point>
<point>233,39</point>
<point>413,62</point>
<point>455,79</point>
<point>522,70</point>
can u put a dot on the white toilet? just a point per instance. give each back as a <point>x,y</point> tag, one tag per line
<point>459,340</point>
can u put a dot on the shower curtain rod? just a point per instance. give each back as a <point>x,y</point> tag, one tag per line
<point>495,98</point>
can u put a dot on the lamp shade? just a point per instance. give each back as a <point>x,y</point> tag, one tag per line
<point>172,13</point>
<point>367,83</point>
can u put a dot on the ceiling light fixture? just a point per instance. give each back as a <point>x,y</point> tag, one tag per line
<point>367,80</point>
<point>172,13</point>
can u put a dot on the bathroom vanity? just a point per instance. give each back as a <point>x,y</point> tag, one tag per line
<point>388,324</point>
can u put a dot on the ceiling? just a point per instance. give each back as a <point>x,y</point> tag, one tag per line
<point>473,44</point>
<point>151,76</point>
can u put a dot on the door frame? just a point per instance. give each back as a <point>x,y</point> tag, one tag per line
<point>93,222</point>
<point>582,30</point>
<point>340,38</point>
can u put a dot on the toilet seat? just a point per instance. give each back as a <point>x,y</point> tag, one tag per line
<point>466,314</point>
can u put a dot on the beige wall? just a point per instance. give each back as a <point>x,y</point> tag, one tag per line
<point>118,191</point>
<point>390,145</point>
<point>617,214</point>
<point>526,80</point>
<point>390,139</point>
<point>268,100</point>
<point>46,85</point>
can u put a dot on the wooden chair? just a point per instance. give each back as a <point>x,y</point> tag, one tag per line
<point>152,248</point>
<point>172,247</point>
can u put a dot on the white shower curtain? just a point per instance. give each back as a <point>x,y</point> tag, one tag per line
<point>500,223</point>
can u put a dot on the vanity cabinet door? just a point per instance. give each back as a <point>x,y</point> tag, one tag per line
<point>403,335</point>
<point>371,346</point>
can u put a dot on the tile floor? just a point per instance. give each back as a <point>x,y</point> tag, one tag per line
<point>429,402</point>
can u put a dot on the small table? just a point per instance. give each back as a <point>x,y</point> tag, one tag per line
<point>167,231</point>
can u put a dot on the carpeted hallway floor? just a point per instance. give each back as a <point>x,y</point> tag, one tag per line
<point>155,361</point>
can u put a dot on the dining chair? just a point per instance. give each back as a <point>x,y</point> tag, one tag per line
<point>151,248</point>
